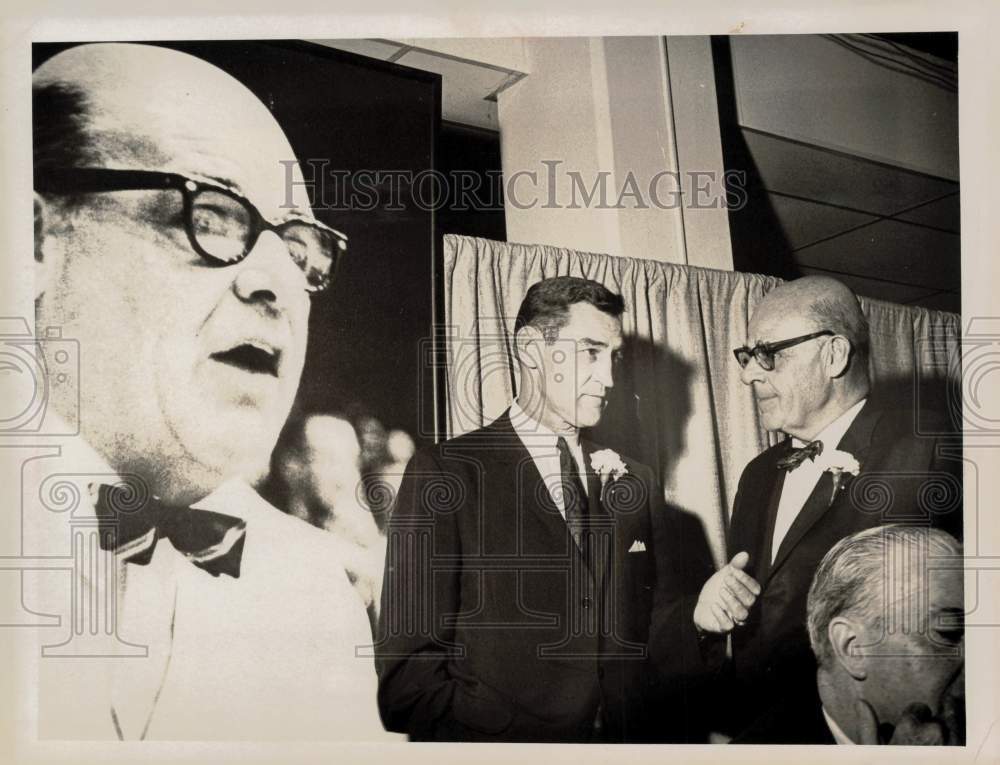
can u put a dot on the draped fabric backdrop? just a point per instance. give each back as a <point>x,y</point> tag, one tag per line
<point>678,404</point>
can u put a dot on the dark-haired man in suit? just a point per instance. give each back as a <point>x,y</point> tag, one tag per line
<point>520,573</point>
<point>851,462</point>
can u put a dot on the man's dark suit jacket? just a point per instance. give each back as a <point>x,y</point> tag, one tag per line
<point>791,721</point>
<point>904,478</point>
<point>486,631</point>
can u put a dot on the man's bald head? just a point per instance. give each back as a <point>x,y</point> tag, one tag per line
<point>189,365</point>
<point>821,368</point>
<point>829,304</point>
<point>141,107</point>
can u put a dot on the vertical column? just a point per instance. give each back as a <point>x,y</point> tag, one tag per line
<point>553,129</point>
<point>694,109</point>
<point>644,148</point>
<point>612,145</point>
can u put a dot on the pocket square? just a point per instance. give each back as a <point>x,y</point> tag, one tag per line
<point>637,546</point>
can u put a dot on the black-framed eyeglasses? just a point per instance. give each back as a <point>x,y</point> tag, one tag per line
<point>221,225</point>
<point>764,352</point>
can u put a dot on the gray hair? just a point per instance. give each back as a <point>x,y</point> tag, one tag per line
<point>851,578</point>
<point>844,317</point>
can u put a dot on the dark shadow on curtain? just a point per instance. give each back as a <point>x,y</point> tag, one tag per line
<point>646,420</point>
<point>649,407</point>
<point>936,408</point>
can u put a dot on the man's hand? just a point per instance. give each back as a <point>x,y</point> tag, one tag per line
<point>917,727</point>
<point>726,598</point>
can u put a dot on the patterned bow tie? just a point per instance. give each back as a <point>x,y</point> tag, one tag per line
<point>795,457</point>
<point>211,541</point>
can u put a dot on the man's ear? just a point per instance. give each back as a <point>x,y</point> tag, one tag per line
<point>527,342</point>
<point>838,355</point>
<point>845,641</point>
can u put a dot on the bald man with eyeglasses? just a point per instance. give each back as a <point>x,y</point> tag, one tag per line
<point>850,461</point>
<point>169,247</point>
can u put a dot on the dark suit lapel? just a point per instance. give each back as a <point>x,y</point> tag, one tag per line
<point>858,438</point>
<point>770,500</point>
<point>753,528</point>
<point>856,441</point>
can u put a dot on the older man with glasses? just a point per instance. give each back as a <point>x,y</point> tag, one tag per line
<point>168,244</point>
<point>851,461</point>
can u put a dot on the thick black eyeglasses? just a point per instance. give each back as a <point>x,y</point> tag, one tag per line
<point>764,352</point>
<point>221,225</point>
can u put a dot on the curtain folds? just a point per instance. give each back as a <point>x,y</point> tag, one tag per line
<point>678,403</point>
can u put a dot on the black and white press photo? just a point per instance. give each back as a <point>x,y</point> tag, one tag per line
<point>399,391</point>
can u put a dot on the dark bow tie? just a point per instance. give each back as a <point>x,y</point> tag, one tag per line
<point>211,541</point>
<point>796,456</point>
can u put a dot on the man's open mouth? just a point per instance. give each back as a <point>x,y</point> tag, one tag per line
<point>254,357</point>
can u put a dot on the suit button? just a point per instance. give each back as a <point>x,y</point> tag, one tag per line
<point>587,602</point>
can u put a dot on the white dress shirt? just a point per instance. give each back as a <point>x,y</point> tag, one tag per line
<point>280,653</point>
<point>799,483</point>
<point>540,442</point>
<point>838,734</point>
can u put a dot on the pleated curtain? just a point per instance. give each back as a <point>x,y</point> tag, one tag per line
<point>678,403</point>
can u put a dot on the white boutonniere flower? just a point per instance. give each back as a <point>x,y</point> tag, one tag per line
<point>609,467</point>
<point>839,464</point>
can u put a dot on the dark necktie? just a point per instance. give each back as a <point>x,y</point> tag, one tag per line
<point>796,456</point>
<point>211,541</point>
<point>574,496</point>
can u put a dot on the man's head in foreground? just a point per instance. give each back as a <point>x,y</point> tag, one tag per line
<point>885,616</point>
<point>568,333</point>
<point>159,185</point>
<point>806,356</point>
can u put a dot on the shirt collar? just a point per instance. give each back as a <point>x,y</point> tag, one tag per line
<point>530,430</point>
<point>838,734</point>
<point>834,432</point>
<point>236,497</point>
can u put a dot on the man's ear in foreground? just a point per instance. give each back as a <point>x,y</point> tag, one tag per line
<point>847,641</point>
